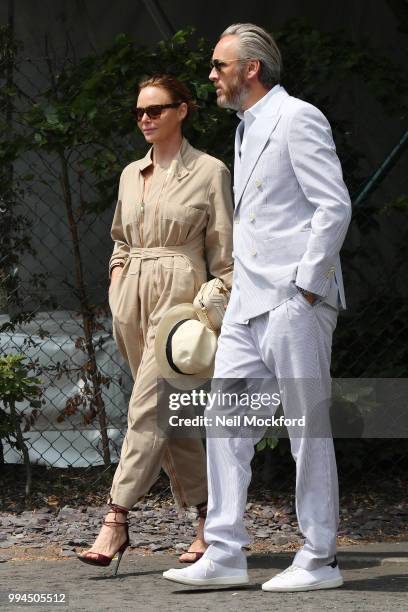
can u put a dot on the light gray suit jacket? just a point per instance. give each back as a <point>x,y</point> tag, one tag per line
<point>292,208</point>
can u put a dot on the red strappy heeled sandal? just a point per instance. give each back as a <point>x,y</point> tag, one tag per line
<point>103,560</point>
<point>195,555</point>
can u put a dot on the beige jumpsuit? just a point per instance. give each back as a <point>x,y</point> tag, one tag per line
<point>164,243</point>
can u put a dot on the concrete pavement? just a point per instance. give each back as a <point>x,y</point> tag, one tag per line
<point>376,578</point>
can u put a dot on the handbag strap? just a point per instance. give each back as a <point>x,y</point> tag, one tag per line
<point>204,312</point>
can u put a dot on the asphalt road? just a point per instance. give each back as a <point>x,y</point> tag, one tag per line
<point>376,578</point>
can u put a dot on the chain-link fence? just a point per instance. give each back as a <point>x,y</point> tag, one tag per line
<point>56,245</point>
<point>54,292</point>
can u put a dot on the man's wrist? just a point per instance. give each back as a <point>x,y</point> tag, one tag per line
<point>311,297</point>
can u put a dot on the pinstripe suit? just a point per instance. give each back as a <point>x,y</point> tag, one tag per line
<point>292,211</point>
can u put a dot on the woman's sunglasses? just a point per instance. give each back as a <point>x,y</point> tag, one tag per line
<point>154,111</point>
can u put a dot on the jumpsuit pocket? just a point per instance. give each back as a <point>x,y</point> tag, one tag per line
<point>115,282</point>
<point>114,293</point>
<point>180,282</point>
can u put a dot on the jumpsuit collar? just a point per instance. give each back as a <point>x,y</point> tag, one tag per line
<point>181,159</point>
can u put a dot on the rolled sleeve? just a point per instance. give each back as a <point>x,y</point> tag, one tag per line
<point>218,237</point>
<point>121,248</point>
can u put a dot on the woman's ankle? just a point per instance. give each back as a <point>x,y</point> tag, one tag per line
<point>117,508</point>
<point>115,517</point>
<point>117,513</point>
<point>202,510</point>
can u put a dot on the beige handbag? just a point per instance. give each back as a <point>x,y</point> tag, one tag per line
<point>210,303</point>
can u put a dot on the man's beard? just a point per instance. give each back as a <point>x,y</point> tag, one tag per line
<point>236,94</point>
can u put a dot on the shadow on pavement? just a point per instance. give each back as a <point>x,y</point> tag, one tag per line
<point>125,575</point>
<point>389,583</point>
<point>235,589</point>
<point>347,560</point>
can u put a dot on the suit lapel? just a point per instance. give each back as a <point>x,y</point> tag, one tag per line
<point>260,132</point>
<point>237,157</point>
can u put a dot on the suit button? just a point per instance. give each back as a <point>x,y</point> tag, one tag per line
<point>258,183</point>
<point>253,252</point>
<point>251,217</point>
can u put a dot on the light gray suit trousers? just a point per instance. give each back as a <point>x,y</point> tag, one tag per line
<point>290,346</point>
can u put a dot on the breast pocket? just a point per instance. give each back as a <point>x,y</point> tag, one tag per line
<point>276,161</point>
<point>277,176</point>
<point>271,162</point>
<point>182,213</point>
<point>173,212</point>
<point>180,222</point>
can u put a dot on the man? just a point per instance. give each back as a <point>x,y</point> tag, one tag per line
<point>291,215</point>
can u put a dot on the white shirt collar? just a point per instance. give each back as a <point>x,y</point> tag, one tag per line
<point>256,109</point>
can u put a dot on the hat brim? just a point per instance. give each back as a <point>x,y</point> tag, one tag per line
<point>180,381</point>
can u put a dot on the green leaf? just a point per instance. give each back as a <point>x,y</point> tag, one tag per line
<point>261,445</point>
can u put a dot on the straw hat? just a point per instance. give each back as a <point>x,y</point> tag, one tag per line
<point>184,347</point>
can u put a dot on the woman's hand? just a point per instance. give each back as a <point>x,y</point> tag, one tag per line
<point>115,273</point>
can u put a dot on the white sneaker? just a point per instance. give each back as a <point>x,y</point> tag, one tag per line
<point>296,578</point>
<point>206,572</point>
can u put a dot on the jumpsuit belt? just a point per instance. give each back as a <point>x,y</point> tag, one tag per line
<point>189,252</point>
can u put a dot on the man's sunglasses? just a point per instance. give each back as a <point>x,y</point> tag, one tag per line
<point>220,64</point>
<point>154,111</point>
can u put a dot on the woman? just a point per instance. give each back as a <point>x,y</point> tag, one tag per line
<point>174,213</point>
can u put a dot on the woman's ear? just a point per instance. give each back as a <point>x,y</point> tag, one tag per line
<point>183,111</point>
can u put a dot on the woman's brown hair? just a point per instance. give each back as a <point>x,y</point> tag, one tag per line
<point>175,88</point>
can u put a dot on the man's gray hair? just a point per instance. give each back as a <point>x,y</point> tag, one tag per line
<point>257,43</point>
